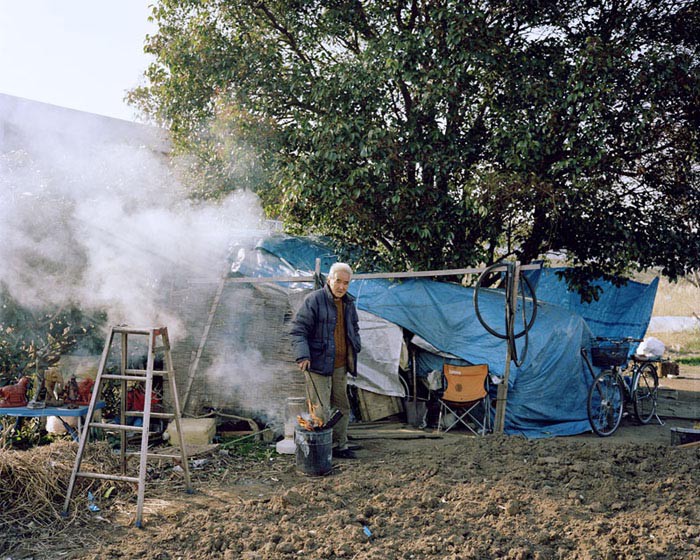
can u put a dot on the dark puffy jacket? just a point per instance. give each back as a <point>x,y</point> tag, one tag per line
<point>312,331</point>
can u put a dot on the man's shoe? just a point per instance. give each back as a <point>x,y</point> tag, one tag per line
<point>344,454</point>
<point>354,447</point>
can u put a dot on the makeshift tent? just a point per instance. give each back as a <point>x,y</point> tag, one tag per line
<point>547,393</point>
<point>246,362</point>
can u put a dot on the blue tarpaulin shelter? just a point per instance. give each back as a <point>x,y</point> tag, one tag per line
<point>619,312</point>
<point>547,393</point>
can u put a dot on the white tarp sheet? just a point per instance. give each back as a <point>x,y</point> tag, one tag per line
<point>378,362</point>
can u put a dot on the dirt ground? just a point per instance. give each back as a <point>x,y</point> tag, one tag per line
<point>411,494</point>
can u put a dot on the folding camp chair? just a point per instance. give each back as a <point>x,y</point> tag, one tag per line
<point>466,398</point>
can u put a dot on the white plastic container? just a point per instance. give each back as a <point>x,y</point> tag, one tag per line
<point>294,407</point>
<point>286,446</point>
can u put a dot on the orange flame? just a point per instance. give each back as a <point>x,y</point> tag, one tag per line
<point>310,421</point>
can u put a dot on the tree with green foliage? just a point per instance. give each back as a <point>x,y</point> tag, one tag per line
<point>31,340</point>
<point>446,133</point>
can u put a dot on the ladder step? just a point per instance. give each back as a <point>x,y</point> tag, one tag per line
<point>128,330</point>
<point>138,414</point>
<point>155,455</point>
<point>145,371</point>
<point>124,377</point>
<point>122,427</point>
<point>107,476</point>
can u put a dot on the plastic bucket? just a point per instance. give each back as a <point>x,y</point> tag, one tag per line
<point>314,452</point>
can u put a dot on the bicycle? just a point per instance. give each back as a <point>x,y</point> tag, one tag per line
<point>612,391</point>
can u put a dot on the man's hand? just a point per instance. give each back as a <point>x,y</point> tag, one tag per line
<point>304,365</point>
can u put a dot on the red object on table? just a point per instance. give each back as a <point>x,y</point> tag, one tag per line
<point>136,398</point>
<point>14,395</point>
<point>85,390</point>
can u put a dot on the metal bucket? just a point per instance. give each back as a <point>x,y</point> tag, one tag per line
<point>314,452</point>
<point>681,436</point>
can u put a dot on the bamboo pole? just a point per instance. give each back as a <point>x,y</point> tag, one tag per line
<point>511,310</point>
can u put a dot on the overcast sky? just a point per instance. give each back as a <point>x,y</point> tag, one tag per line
<point>81,54</point>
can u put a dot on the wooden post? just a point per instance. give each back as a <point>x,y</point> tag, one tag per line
<point>210,319</point>
<point>511,310</point>
<point>317,274</point>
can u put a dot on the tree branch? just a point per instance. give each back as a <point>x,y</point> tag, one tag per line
<point>291,41</point>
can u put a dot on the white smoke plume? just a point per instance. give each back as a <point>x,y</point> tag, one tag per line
<point>244,376</point>
<point>91,213</point>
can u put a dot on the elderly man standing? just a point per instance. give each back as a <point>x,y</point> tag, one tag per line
<point>326,340</point>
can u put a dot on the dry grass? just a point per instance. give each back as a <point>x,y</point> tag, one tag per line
<point>34,481</point>
<point>679,343</point>
<point>680,299</point>
<point>34,486</point>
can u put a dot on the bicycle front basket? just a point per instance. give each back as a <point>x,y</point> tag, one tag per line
<point>608,354</point>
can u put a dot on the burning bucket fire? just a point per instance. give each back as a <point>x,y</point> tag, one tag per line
<point>314,442</point>
<point>314,451</point>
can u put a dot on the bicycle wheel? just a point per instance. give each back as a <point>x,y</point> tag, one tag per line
<point>645,392</point>
<point>605,403</point>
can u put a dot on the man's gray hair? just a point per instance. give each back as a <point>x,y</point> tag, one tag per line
<point>338,267</point>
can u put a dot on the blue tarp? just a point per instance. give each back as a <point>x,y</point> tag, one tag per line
<point>302,251</point>
<point>547,394</point>
<point>250,257</point>
<point>619,312</point>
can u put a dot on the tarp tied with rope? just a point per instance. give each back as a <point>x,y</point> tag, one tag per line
<point>547,393</point>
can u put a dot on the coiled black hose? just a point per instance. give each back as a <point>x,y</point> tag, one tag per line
<point>511,309</point>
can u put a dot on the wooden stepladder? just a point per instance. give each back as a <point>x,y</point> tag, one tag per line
<point>125,376</point>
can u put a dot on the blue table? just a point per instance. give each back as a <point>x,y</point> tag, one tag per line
<point>58,411</point>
